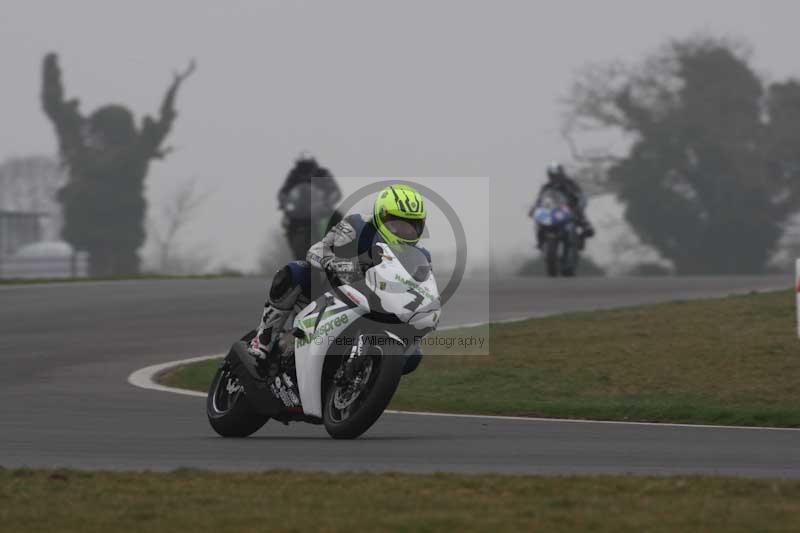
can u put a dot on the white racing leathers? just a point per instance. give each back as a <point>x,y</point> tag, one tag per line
<point>344,243</point>
<point>352,237</point>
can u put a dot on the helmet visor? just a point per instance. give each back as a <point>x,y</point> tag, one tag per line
<point>406,229</point>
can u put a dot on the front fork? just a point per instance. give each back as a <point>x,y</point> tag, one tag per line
<point>352,365</point>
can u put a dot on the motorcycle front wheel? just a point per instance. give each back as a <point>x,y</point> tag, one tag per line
<point>352,406</point>
<point>551,259</point>
<point>569,260</point>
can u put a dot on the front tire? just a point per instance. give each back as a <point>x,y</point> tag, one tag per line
<point>385,370</point>
<point>570,256</point>
<point>551,256</point>
<point>229,412</point>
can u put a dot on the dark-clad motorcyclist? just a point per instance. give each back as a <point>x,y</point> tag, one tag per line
<point>307,170</point>
<point>398,218</point>
<point>308,200</point>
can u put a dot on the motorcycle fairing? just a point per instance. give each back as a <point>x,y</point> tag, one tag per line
<point>390,287</point>
<point>413,302</point>
<point>310,350</point>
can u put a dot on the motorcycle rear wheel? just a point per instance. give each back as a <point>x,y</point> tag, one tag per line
<point>227,408</point>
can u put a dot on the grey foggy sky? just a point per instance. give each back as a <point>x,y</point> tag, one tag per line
<point>444,88</point>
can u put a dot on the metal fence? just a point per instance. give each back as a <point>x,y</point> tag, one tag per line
<point>74,266</point>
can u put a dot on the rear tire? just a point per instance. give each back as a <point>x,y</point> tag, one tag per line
<point>551,257</point>
<point>229,413</point>
<point>380,388</point>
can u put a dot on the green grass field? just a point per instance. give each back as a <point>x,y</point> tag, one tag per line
<point>733,360</point>
<point>198,501</point>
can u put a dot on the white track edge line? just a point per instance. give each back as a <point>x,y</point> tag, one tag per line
<point>586,421</point>
<point>145,379</point>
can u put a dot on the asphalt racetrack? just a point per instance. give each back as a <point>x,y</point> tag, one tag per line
<point>66,351</point>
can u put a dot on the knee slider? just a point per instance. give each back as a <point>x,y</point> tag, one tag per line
<point>282,293</point>
<point>287,285</point>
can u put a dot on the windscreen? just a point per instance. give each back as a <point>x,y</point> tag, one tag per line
<point>551,199</point>
<point>306,201</point>
<point>414,261</point>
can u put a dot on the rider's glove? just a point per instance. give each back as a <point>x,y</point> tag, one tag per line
<point>344,269</point>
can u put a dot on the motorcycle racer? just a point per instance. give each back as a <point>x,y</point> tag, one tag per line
<point>398,218</point>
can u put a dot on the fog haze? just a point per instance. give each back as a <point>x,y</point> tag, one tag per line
<point>382,89</point>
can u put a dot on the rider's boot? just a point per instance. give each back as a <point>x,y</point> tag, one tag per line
<point>282,296</point>
<point>588,229</point>
<point>272,321</point>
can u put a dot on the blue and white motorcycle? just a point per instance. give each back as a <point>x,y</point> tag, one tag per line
<point>558,233</point>
<point>341,356</point>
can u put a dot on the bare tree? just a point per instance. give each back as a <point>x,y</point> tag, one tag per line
<point>585,120</point>
<point>177,212</point>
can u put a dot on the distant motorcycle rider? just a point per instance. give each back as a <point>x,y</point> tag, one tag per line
<point>558,180</point>
<point>307,170</point>
<point>308,199</point>
<point>398,218</point>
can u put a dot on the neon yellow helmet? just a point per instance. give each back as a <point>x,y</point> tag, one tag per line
<point>399,214</point>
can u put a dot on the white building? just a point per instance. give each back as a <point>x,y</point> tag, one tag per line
<point>31,220</point>
<point>45,259</point>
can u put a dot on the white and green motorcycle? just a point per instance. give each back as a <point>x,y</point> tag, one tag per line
<point>341,356</point>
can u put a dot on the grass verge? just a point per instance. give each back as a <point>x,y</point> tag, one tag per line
<point>191,500</point>
<point>732,361</point>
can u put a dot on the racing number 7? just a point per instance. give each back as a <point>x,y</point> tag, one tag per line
<point>412,305</point>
